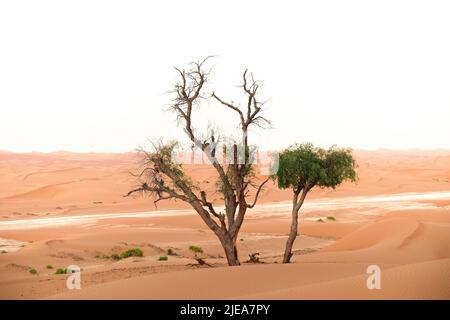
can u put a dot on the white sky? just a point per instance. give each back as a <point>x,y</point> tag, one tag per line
<point>92,75</point>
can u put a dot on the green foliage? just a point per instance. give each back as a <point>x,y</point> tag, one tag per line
<point>163,258</point>
<point>49,266</point>
<point>305,166</point>
<point>170,252</point>
<point>196,249</point>
<point>134,252</point>
<point>158,164</point>
<point>339,166</point>
<point>33,271</point>
<point>61,271</point>
<point>331,218</point>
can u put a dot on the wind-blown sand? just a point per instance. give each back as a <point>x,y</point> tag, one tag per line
<point>64,208</point>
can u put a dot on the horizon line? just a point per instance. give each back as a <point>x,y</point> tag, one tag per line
<point>61,151</point>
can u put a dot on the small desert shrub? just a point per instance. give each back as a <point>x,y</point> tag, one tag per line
<point>196,249</point>
<point>33,271</point>
<point>170,252</point>
<point>319,220</point>
<point>4,251</point>
<point>163,258</point>
<point>331,218</point>
<point>135,252</point>
<point>49,266</point>
<point>61,271</point>
<point>115,256</point>
<point>242,239</point>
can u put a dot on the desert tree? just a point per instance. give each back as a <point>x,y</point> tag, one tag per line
<point>303,167</point>
<point>165,178</point>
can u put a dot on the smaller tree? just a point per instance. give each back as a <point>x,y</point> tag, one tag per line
<point>303,167</point>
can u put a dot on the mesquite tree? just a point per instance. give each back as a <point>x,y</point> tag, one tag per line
<point>303,167</point>
<point>164,178</point>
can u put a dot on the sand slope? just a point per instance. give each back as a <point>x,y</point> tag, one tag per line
<point>390,218</point>
<point>336,272</point>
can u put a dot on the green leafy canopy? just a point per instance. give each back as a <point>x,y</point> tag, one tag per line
<point>305,166</point>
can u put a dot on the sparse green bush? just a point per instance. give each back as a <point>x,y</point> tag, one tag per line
<point>49,266</point>
<point>320,220</point>
<point>134,252</point>
<point>163,258</point>
<point>33,271</point>
<point>331,218</point>
<point>196,249</point>
<point>170,252</point>
<point>4,251</point>
<point>61,271</point>
<point>242,239</point>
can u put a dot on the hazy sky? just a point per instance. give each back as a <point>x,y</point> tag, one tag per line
<point>92,75</point>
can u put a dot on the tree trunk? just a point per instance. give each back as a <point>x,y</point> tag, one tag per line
<point>230,250</point>
<point>225,237</point>
<point>294,227</point>
<point>292,236</point>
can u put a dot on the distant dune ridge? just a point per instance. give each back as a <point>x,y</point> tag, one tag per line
<point>42,181</point>
<point>409,237</point>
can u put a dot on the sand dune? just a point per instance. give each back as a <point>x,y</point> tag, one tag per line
<point>65,208</point>
<point>414,257</point>
<point>38,183</point>
<point>427,280</point>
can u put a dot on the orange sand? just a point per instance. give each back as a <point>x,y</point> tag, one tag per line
<point>376,223</point>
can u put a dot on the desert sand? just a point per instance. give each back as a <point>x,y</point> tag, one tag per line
<point>59,209</point>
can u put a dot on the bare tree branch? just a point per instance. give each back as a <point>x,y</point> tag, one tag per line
<point>257,193</point>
